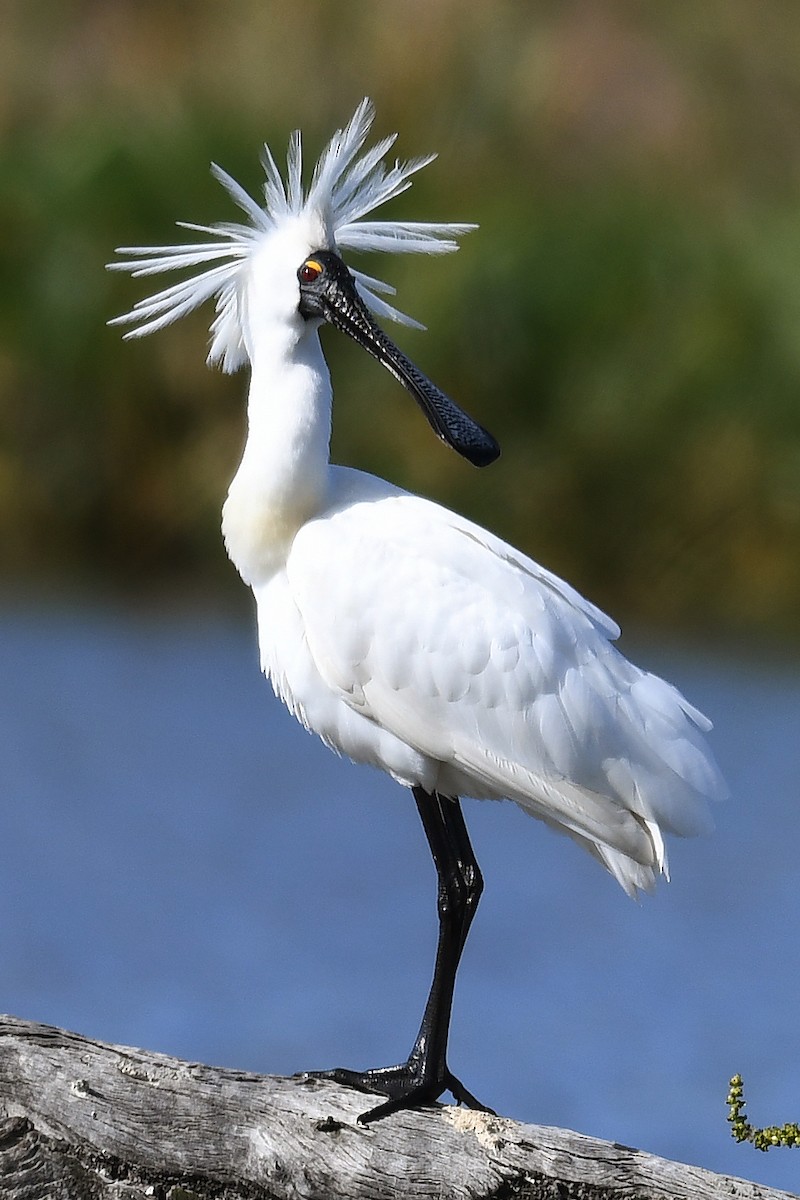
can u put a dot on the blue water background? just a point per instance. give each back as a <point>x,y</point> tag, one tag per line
<point>183,868</point>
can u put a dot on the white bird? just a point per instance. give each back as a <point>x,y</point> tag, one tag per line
<point>402,634</point>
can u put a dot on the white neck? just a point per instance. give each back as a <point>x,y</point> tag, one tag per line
<point>282,478</point>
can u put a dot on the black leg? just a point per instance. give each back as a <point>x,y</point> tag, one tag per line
<point>425,1076</point>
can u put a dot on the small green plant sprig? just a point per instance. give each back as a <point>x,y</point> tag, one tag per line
<point>743,1131</point>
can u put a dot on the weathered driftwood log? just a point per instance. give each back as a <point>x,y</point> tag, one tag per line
<point>80,1120</point>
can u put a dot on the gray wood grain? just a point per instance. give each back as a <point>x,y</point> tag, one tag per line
<point>81,1120</point>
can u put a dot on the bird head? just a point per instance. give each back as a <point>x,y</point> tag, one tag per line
<point>286,266</point>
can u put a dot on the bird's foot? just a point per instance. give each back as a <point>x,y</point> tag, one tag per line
<point>408,1085</point>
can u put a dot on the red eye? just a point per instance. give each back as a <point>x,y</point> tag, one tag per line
<point>310,271</point>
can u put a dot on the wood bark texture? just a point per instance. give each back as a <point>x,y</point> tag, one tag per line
<point>81,1120</point>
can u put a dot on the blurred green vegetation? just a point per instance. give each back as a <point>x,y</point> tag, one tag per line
<point>626,321</point>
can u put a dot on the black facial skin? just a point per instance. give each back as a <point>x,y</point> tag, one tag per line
<point>328,292</point>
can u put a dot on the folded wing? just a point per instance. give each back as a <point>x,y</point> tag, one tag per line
<point>501,673</point>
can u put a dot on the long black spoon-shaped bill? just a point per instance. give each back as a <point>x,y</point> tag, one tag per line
<point>328,291</point>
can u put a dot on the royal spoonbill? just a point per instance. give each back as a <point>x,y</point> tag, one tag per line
<point>404,635</point>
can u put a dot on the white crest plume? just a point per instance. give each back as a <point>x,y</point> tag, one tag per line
<point>344,188</point>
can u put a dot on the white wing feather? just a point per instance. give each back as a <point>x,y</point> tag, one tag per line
<point>501,674</point>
